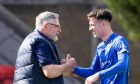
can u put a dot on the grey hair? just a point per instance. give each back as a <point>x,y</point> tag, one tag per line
<point>45,17</point>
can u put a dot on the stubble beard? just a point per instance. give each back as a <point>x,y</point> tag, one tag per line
<point>55,38</point>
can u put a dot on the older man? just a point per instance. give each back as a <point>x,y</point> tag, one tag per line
<point>38,61</point>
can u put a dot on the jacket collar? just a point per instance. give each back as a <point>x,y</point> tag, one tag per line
<point>43,35</point>
<point>112,36</point>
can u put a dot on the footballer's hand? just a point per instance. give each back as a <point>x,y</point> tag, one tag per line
<point>91,79</point>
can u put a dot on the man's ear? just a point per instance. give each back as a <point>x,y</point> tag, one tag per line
<point>104,24</point>
<point>45,25</point>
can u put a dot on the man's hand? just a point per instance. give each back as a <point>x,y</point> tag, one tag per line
<point>53,71</point>
<point>70,63</point>
<point>92,79</point>
<point>63,61</point>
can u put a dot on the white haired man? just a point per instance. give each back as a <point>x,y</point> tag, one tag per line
<point>38,61</point>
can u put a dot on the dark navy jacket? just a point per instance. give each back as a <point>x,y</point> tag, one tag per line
<point>36,51</point>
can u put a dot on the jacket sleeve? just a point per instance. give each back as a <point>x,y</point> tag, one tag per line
<point>119,67</point>
<point>43,53</point>
<point>85,72</point>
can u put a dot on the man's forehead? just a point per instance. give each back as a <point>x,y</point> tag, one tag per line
<point>54,21</point>
<point>93,18</point>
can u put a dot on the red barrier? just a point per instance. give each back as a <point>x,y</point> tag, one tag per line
<point>6,74</point>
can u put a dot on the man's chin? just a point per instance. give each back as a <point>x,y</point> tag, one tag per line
<point>55,38</point>
<point>95,35</point>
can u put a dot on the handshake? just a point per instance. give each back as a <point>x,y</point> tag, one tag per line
<point>69,63</point>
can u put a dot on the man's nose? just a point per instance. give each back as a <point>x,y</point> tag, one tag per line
<point>60,30</point>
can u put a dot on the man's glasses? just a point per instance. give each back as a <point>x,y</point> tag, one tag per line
<point>54,25</point>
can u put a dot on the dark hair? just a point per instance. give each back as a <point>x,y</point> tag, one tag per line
<point>104,14</point>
